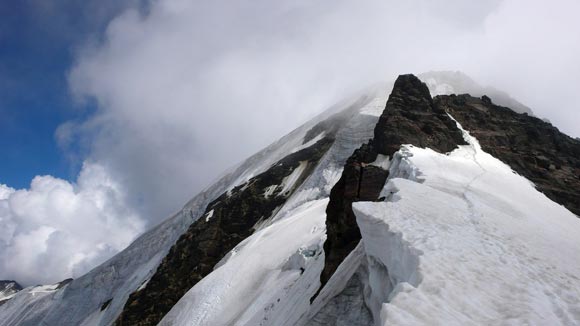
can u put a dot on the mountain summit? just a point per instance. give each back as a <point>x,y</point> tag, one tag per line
<point>398,209</point>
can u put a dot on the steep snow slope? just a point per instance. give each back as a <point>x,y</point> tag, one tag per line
<point>533,148</point>
<point>269,278</point>
<point>255,299</point>
<point>463,240</point>
<point>460,240</point>
<point>8,289</point>
<point>98,297</point>
<point>297,241</point>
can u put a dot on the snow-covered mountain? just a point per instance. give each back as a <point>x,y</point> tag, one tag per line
<point>385,209</point>
<point>8,289</point>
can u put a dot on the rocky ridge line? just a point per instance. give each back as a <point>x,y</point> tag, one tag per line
<point>530,146</point>
<point>410,117</point>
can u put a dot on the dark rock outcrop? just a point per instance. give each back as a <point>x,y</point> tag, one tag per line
<point>8,288</point>
<point>64,283</point>
<point>460,83</point>
<point>228,220</point>
<point>359,181</point>
<point>410,117</point>
<point>530,146</point>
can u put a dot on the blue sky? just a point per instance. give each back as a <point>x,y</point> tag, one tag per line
<point>33,96</point>
<point>38,40</point>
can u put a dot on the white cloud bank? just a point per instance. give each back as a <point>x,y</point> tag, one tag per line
<point>56,230</point>
<point>185,89</point>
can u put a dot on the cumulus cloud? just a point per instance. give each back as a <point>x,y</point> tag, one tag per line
<point>56,230</point>
<point>185,89</point>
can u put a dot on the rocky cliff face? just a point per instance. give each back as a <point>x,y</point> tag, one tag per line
<point>530,146</point>
<point>410,117</point>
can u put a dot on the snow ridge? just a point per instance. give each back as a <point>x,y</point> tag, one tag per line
<point>462,239</point>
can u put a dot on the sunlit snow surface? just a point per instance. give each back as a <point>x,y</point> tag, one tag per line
<point>263,281</point>
<point>270,277</point>
<point>466,241</point>
<point>461,240</point>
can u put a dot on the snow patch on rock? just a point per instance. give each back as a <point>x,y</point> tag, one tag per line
<point>209,215</point>
<point>270,190</point>
<point>309,143</point>
<point>382,161</point>
<point>289,181</point>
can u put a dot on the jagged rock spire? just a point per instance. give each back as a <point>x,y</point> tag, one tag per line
<point>410,117</point>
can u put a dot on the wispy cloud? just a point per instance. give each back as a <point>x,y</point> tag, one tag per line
<point>192,87</point>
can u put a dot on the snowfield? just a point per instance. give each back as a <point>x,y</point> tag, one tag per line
<point>459,240</point>
<point>80,302</point>
<point>464,240</point>
<point>264,281</point>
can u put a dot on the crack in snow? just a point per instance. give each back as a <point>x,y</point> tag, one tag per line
<point>475,150</point>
